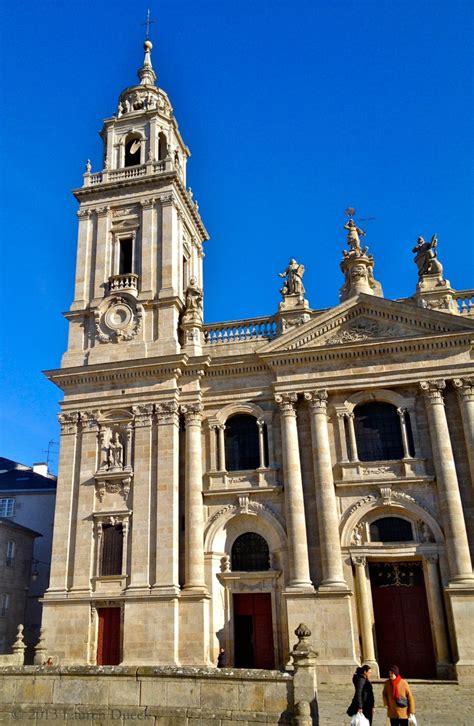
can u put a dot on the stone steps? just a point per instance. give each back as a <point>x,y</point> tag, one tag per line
<point>438,703</point>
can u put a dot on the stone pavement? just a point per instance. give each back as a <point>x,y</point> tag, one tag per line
<point>438,703</point>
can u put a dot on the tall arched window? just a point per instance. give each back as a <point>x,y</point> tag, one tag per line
<point>133,148</point>
<point>242,443</point>
<point>378,432</point>
<point>162,146</point>
<point>391,529</point>
<point>112,549</point>
<point>250,553</point>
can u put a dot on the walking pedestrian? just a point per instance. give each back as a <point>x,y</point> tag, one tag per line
<point>363,701</point>
<point>398,698</point>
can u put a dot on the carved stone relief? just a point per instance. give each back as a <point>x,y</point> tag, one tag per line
<point>118,319</point>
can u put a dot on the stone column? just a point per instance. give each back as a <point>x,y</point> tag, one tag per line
<point>341,416</point>
<point>403,427</point>
<point>328,516</point>
<point>221,429</point>
<point>140,575</point>
<point>465,389</point>
<point>261,442</point>
<point>212,447</point>
<point>194,524</point>
<point>294,500</point>
<point>452,516</point>
<point>364,610</point>
<point>352,437</point>
<point>437,616</point>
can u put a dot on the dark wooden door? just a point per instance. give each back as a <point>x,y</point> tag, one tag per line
<point>108,641</point>
<point>253,632</point>
<point>402,624</point>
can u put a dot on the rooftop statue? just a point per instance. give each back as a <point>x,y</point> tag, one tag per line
<point>193,309</point>
<point>293,275</point>
<point>354,233</point>
<point>426,257</point>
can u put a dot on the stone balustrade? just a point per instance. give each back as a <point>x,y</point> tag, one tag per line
<point>236,331</point>
<point>123,283</point>
<point>129,172</point>
<point>465,302</point>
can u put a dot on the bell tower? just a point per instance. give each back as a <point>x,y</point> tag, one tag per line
<point>140,235</point>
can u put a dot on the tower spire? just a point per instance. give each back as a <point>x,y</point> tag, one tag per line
<point>146,73</point>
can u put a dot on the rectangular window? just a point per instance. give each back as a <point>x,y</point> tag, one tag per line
<point>7,507</point>
<point>5,604</point>
<point>125,256</point>
<point>10,554</point>
<point>112,550</point>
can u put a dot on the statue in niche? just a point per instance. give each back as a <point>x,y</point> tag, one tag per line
<point>193,310</point>
<point>115,452</point>
<point>426,257</point>
<point>293,275</point>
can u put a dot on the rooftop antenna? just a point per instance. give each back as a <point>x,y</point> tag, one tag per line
<point>148,22</point>
<point>51,444</point>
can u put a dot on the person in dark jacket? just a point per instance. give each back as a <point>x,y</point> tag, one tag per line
<point>363,701</point>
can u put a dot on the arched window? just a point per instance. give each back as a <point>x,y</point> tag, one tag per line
<point>391,529</point>
<point>250,553</point>
<point>378,432</point>
<point>242,443</point>
<point>162,146</point>
<point>112,547</point>
<point>133,149</point>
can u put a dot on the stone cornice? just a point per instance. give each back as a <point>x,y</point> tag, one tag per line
<point>152,184</point>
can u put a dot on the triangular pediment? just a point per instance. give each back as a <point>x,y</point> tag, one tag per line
<point>368,319</point>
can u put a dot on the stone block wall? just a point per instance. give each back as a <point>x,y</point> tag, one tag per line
<point>171,696</point>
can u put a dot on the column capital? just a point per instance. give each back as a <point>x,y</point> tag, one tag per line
<point>402,411</point>
<point>143,414</point>
<point>432,390</point>
<point>318,400</point>
<point>68,422</point>
<point>192,413</point>
<point>465,389</point>
<point>260,422</point>
<point>286,402</point>
<point>432,559</point>
<point>359,560</point>
<point>167,412</point>
<point>89,420</point>
<point>83,213</point>
<point>148,203</point>
<point>103,211</point>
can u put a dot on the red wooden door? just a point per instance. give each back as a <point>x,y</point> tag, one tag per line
<point>108,641</point>
<point>253,632</point>
<point>402,624</point>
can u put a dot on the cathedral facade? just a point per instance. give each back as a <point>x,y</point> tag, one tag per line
<point>221,483</point>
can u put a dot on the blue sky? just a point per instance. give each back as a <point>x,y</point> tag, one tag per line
<point>292,111</point>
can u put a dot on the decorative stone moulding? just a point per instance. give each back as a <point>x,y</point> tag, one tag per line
<point>118,319</point>
<point>260,478</point>
<point>108,482</point>
<point>362,471</point>
<point>138,99</point>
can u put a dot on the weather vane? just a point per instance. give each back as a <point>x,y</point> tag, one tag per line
<point>148,22</point>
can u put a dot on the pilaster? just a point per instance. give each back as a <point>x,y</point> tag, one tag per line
<point>140,575</point>
<point>148,249</point>
<point>364,610</point>
<point>102,251</point>
<point>167,504</point>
